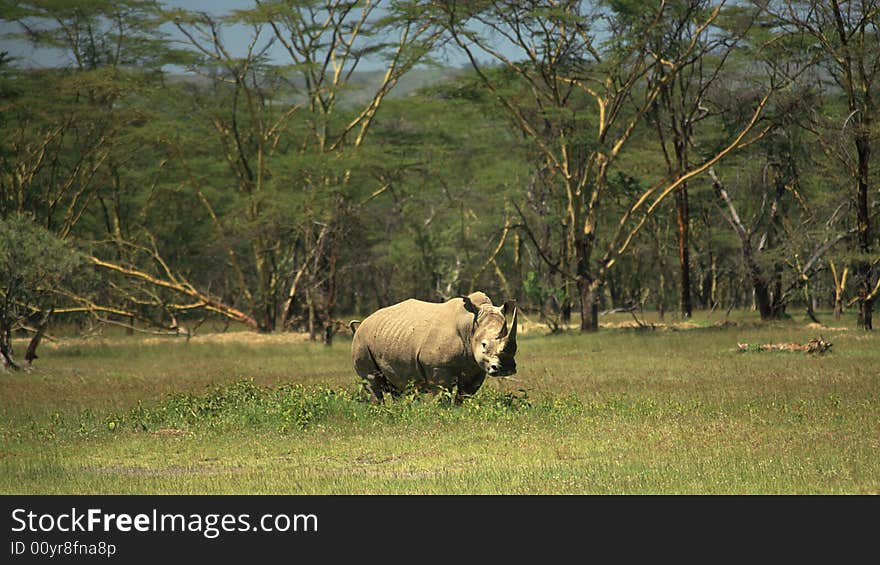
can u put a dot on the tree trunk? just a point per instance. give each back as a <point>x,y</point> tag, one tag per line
<point>31,353</point>
<point>866,314</point>
<point>615,291</point>
<point>330,290</point>
<point>713,289</point>
<point>682,220</point>
<point>587,286</point>
<point>708,284</point>
<point>810,300</point>
<point>838,306</point>
<point>863,226</point>
<point>589,305</point>
<point>271,308</point>
<point>778,304</point>
<point>311,306</point>
<point>565,312</point>
<point>8,361</point>
<point>661,297</point>
<point>705,281</point>
<point>839,288</point>
<point>6,348</point>
<point>762,298</point>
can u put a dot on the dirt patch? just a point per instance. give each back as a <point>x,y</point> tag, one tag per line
<point>824,328</point>
<point>243,338</point>
<point>651,325</point>
<point>376,459</point>
<point>252,338</point>
<point>169,432</point>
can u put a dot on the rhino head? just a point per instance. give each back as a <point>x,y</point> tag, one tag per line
<point>494,336</point>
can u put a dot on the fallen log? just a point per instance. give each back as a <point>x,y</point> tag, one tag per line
<point>817,345</point>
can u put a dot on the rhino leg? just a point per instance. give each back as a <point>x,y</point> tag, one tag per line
<point>371,376</point>
<point>377,385</point>
<point>468,386</point>
<point>465,385</point>
<point>437,379</point>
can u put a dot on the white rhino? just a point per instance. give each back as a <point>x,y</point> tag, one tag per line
<point>432,345</point>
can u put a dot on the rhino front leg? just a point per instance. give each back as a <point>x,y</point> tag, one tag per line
<point>468,385</point>
<point>438,379</point>
<point>465,385</point>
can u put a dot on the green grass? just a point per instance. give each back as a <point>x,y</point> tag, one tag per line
<point>621,411</point>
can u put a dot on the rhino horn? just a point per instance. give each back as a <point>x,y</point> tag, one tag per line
<point>510,317</point>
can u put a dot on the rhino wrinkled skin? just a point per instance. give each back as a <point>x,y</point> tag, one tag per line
<point>435,345</point>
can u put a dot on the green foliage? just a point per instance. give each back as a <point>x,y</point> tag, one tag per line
<point>293,408</point>
<point>34,268</point>
<point>539,293</point>
<point>243,404</point>
<point>33,265</point>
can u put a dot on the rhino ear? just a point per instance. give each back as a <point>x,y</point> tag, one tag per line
<point>470,306</point>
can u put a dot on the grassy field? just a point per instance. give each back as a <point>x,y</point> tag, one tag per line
<point>621,411</point>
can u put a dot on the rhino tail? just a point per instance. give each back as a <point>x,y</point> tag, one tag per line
<point>353,325</point>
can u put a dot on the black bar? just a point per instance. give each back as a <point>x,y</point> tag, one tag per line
<point>397,528</point>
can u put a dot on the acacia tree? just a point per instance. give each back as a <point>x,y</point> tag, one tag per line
<point>69,130</point>
<point>287,138</point>
<point>441,228</point>
<point>61,124</point>
<point>844,38</point>
<point>684,103</point>
<point>33,264</point>
<point>566,53</point>
<point>290,135</point>
<point>326,42</point>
